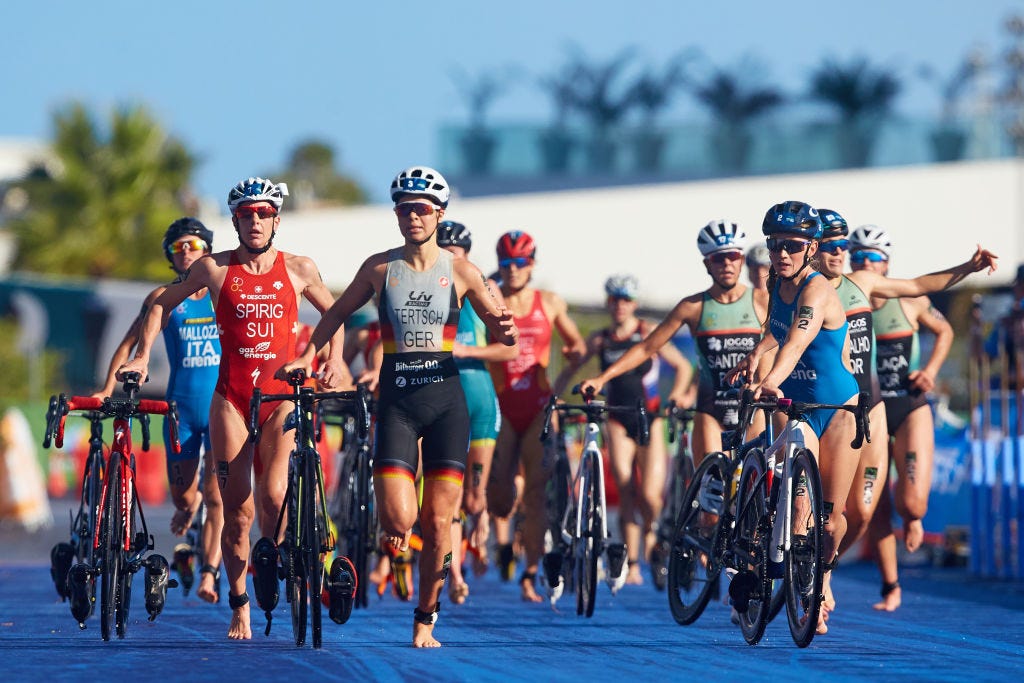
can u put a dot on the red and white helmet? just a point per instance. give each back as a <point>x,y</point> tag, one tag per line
<point>516,244</point>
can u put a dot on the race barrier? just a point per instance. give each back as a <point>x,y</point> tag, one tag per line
<point>997,454</point>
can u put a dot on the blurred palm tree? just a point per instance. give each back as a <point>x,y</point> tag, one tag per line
<point>734,107</point>
<point>479,92</point>
<point>597,95</point>
<point>863,96</point>
<point>652,92</point>
<point>103,209</point>
<point>314,181</point>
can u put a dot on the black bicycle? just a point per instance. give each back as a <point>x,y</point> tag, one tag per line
<point>79,548</point>
<point>680,474</point>
<point>119,546</point>
<point>307,536</point>
<point>352,505</point>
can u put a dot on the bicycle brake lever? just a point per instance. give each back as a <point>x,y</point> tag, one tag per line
<point>548,410</point>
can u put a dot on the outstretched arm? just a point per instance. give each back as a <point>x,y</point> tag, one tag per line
<point>891,288</point>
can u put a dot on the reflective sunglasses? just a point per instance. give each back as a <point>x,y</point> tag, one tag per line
<point>518,262</point>
<point>722,256</point>
<point>860,257</point>
<point>405,209</point>
<point>789,246</point>
<point>263,212</point>
<point>833,247</point>
<point>193,244</point>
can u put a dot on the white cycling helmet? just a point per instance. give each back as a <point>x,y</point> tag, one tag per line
<point>621,286</point>
<point>422,181</point>
<point>758,256</point>
<point>720,235</point>
<point>257,190</point>
<point>871,237</point>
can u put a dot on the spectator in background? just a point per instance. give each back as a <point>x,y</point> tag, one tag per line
<point>758,266</point>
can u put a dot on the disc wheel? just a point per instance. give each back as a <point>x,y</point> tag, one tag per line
<point>804,562</point>
<point>694,561</point>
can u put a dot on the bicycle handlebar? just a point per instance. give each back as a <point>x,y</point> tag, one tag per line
<point>61,407</point>
<point>799,409</point>
<point>594,410</point>
<point>677,416</point>
<point>360,399</point>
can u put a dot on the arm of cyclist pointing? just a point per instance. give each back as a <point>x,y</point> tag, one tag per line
<point>686,312</point>
<point>355,296</point>
<point>200,275</point>
<point>890,288</point>
<point>123,351</point>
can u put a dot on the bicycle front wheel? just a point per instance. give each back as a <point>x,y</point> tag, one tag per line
<point>367,529</point>
<point>315,542</point>
<point>695,554</point>
<point>296,571</point>
<point>750,589</point>
<point>804,562</point>
<point>588,546</point>
<point>112,549</point>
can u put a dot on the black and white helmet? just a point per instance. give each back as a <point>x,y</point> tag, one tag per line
<point>720,235</point>
<point>871,237</point>
<point>256,189</point>
<point>422,181</point>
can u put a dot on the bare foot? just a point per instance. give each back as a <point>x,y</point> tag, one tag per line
<point>399,544</point>
<point>890,601</point>
<point>423,635</point>
<point>239,629</point>
<point>182,519</point>
<point>528,593</point>
<point>634,577</point>
<point>913,534</point>
<point>458,592</point>
<point>479,561</point>
<point>207,588</point>
<point>382,571</point>
<point>829,603</point>
<point>822,627</point>
<point>481,531</point>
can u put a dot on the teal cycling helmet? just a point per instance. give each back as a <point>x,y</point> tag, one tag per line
<point>833,225</point>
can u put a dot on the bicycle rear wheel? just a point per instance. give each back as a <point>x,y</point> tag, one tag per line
<point>695,554</point>
<point>750,589</point>
<point>112,549</point>
<point>588,545</point>
<point>804,562</point>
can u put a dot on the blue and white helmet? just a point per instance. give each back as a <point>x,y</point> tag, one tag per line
<point>256,189</point>
<point>793,218</point>
<point>422,181</point>
<point>621,286</point>
<point>720,235</point>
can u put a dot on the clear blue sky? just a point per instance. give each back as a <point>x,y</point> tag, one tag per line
<point>242,82</point>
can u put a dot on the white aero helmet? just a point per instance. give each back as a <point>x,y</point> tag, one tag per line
<point>422,181</point>
<point>871,237</point>
<point>257,189</point>
<point>720,235</point>
<point>621,286</point>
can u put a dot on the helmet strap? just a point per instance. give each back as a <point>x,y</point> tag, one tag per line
<point>262,250</point>
<point>799,270</point>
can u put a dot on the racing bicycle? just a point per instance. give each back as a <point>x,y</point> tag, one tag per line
<point>582,530</point>
<point>303,521</point>
<point>120,538</point>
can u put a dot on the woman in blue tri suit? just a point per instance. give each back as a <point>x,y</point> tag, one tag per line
<point>807,325</point>
<point>193,352</point>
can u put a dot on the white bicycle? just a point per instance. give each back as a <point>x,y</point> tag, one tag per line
<point>581,531</point>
